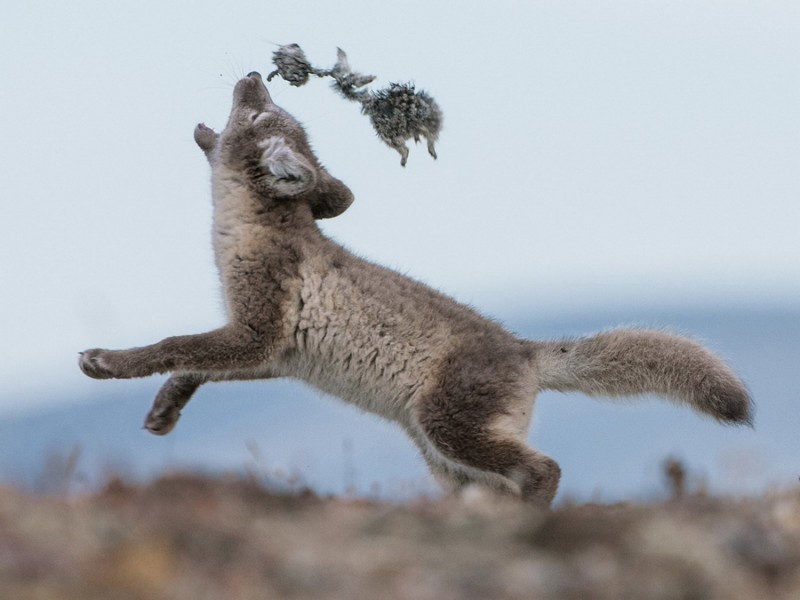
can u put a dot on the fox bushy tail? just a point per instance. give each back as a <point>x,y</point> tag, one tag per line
<point>625,362</point>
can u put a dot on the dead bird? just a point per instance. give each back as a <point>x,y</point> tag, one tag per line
<point>398,112</point>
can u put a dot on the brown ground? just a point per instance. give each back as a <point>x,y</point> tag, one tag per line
<point>192,537</point>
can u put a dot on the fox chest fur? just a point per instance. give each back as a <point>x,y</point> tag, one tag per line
<point>325,323</point>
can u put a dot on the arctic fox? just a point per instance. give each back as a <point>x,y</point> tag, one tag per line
<point>299,305</point>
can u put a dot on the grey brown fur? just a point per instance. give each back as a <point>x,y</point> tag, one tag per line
<point>299,305</point>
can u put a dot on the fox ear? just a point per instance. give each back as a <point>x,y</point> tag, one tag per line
<point>331,197</point>
<point>291,173</point>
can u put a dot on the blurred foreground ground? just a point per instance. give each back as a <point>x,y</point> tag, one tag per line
<point>194,537</point>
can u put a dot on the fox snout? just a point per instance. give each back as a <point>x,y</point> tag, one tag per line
<point>250,92</point>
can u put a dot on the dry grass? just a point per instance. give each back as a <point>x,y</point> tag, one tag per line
<point>194,537</point>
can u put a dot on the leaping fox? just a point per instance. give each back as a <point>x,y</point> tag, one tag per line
<point>300,305</point>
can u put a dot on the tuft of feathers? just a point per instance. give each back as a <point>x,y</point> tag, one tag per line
<point>346,82</point>
<point>293,66</point>
<point>398,112</point>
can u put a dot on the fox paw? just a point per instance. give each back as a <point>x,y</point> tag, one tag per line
<point>162,418</point>
<point>96,364</point>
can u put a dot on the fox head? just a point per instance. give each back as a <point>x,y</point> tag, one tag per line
<point>266,150</point>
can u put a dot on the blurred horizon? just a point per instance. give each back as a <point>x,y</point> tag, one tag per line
<point>609,450</point>
<point>27,391</point>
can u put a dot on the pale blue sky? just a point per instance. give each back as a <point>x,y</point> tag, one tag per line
<point>594,152</point>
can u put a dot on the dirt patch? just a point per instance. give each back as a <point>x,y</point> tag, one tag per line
<point>194,537</point>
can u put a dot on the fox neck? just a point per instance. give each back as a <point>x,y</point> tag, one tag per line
<point>245,223</point>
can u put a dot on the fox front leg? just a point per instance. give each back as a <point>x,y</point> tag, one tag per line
<point>176,392</point>
<point>228,348</point>
<point>173,396</point>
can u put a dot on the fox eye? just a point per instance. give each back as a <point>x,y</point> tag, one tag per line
<point>260,116</point>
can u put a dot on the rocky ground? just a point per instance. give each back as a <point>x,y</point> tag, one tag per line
<point>193,537</point>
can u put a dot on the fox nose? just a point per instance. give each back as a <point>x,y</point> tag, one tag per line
<point>251,92</point>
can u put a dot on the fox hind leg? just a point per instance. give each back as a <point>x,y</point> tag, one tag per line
<point>460,454</point>
<point>506,466</point>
